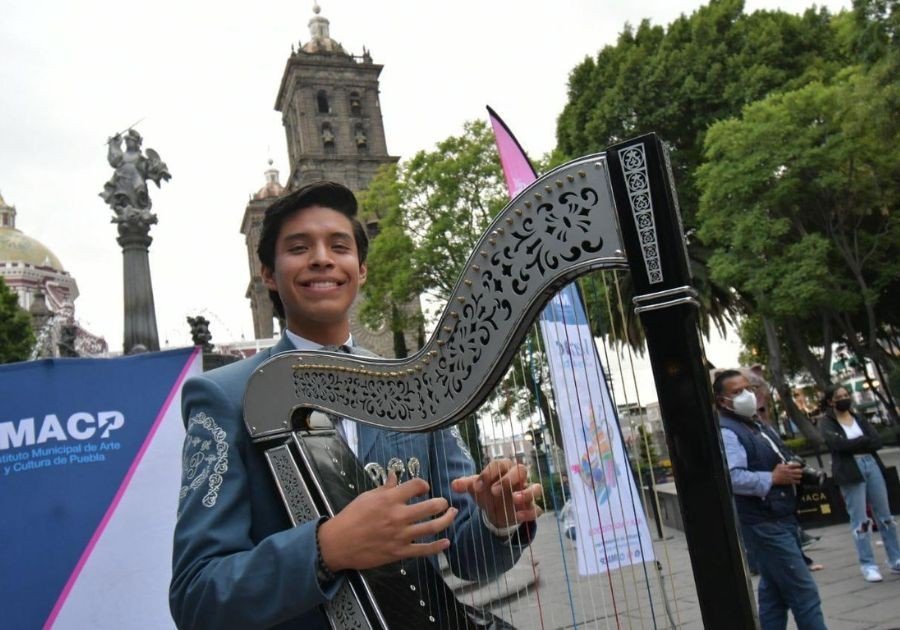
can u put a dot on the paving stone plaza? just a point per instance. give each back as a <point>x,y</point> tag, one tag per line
<point>849,603</point>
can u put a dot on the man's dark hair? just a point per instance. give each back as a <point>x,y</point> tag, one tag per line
<point>322,193</point>
<point>721,377</point>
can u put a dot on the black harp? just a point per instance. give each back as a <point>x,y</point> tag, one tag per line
<point>610,210</point>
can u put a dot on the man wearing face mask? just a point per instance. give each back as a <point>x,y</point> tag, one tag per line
<point>765,496</point>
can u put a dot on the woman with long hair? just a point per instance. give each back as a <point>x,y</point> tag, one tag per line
<point>857,469</point>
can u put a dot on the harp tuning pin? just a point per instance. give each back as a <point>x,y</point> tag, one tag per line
<point>461,299</point>
<point>454,314</point>
<point>433,353</point>
<point>527,205</point>
<point>396,466</point>
<point>548,188</point>
<point>476,268</point>
<point>492,241</point>
<point>509,220</point>
<point>570,178</point>
<point>538,196</point>
<point>447,329</point>
<point>441,342</point>
<point>582,174</point>
<point>376,473</point>
<point>559,183</point>
<point>501,231</point>
<point>483,253</point>
<point>467,282</point>
<point>519,210</point>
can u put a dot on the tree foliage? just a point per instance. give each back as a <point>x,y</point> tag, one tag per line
<point>16,335</point>
<point>799,201</point>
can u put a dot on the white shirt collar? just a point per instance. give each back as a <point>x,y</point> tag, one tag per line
<point>302,343</point>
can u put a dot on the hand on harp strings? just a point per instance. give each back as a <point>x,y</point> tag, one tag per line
<point>382,526</point>
<point>502,492</point>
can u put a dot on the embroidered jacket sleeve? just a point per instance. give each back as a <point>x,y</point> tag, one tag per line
<point>475,553</point>
<point>746,482</point>
<point>223,577</point>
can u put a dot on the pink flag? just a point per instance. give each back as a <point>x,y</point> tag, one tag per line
<point>517,169</point>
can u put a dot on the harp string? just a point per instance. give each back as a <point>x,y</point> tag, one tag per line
<point>654,497</point>
<point>519,385</point>
<point>590,499</point>
<point>554,497</point>
<point>632,568</point>
<point>663,542</point>
<point>623,372</point>
<point>590,585</point>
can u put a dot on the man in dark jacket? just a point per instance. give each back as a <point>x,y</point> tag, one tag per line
<point>764,487</point>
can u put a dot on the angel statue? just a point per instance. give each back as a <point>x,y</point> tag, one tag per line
<point>126,192</point>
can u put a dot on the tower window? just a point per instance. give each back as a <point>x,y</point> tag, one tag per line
<point>322,102</point>
<point>359,137</point>
<point>355,104</point>
<point>327,138</point>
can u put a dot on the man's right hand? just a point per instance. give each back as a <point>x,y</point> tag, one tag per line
<point>380,526</point>
<point>786,474</point>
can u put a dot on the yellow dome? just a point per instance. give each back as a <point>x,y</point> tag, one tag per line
<point>17,247</point>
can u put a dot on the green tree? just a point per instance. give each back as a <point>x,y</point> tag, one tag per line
<point>449,196</point>
<point>800,201</point>
<point>679,80</point>
<point>16,335</point>
<point>392,283</point>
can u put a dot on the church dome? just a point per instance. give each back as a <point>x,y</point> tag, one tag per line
<point>16,247</point>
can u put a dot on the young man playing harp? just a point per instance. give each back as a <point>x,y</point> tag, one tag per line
<point>237,561</point>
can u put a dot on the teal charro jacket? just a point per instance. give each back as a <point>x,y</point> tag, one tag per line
<point>237,561</point>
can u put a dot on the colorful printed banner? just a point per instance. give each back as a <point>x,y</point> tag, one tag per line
<point>90,453</point>
<point>610,523</point>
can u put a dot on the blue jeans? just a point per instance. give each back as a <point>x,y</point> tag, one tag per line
<point>785,581</point>
<point>873,490</point>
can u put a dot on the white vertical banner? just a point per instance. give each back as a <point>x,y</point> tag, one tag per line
<point>610,523</point>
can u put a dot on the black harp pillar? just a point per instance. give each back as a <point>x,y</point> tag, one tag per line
<point>666,303</point>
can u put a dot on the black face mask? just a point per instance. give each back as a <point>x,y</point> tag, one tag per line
<point>842,405</point>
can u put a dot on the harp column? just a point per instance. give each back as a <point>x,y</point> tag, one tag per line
<point>652,233</point>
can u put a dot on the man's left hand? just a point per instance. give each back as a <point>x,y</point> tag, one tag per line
<point>502,493</point>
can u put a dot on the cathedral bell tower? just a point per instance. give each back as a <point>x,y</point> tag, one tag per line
<point>329,105</point>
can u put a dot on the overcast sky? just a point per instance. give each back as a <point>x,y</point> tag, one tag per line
<point>203,76</point>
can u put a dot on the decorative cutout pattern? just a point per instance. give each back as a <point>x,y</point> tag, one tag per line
<point>296,495</point>
<point>637,182</point>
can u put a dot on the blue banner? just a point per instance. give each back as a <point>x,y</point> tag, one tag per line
<point>74,434</point>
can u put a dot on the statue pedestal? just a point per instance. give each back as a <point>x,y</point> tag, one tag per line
<point>140,312</point>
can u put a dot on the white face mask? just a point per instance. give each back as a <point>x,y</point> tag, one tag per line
<point>744,404</point>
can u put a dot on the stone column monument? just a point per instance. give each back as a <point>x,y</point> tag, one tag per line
<point>126,193</point>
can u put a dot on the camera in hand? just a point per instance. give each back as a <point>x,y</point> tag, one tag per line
<point>811,476</point>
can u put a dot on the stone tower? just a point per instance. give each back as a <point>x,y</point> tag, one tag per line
<point>328,99</point>
<point>329,105</point>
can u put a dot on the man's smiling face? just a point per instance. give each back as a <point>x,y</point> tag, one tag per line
<point>317,273</point>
